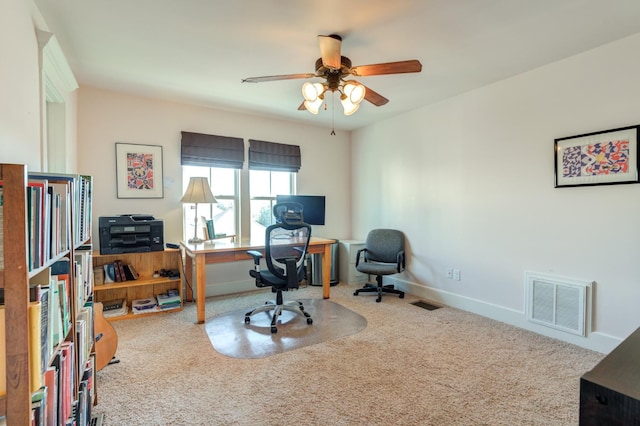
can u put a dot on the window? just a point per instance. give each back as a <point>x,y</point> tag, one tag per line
<point>234,208</point>
<point>264,185</point>
<point>224,186</point>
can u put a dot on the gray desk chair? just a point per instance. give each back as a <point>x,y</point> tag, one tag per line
<point>286,244</point>
<point>383,255</point>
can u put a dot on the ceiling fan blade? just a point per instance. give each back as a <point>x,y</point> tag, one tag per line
<point>330,50</point>
<point>276,77</point>
<point>374,97</point>
<point>400,67</point>
<point>302,107</point>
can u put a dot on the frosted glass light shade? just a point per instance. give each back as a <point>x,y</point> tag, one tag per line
<point>348,106</point>
<point>314,106</point>
<point>312,91</point>
<point>354,91</point>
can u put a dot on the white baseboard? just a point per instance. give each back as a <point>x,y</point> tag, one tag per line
<point>594,341</point>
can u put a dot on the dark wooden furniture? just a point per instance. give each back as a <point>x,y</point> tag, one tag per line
<point>610,393</point>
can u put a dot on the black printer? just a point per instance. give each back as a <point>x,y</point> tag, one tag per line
<point>130,233</point>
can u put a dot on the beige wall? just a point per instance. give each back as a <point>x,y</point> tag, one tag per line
<point>19,74</point>
<point>473,189</point>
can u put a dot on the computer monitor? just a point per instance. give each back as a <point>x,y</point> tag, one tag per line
<point>313,206</point>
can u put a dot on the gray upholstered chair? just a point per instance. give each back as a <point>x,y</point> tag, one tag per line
<point>383,255</point>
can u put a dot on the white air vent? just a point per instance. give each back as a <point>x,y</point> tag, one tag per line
<point>558,302</point>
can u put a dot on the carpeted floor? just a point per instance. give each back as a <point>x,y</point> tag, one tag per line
<point>409,366</point>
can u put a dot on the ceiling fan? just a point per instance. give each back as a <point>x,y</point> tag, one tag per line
<point>334,68</point>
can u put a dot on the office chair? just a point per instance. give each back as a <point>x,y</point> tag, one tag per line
<point>286,244</point>
<point>383,255</point>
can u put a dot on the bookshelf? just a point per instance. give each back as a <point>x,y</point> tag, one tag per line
<point>45,224</point>
<point>146,286</point>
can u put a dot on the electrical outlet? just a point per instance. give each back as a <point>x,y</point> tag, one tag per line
<point>456,274</point>
<point>450,273</point>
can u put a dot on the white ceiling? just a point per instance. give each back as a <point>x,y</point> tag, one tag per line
<point>197,51</point>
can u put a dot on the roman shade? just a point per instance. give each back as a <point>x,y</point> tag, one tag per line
<point>273,156</point>
<point>211,150</point>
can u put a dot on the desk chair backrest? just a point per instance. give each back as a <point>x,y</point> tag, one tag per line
<point>383,245</point>
<point>287,243</point>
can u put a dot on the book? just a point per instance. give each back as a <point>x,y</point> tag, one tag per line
<point>130,271</point>
<point>110,305</point>
<point>123,310</point>
<point>168,299</point>
<point>210,229</point>
<point>109,273</point>
<point>1,229</point>
<point>35,351</point>
<point>3,355</point>
<point>117,269</point>
<point>143,305</point>
<point>50,379</point>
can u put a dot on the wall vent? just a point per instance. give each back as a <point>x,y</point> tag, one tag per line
<point>558,302</point>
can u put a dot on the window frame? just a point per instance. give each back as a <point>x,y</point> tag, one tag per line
<point>242,199</point>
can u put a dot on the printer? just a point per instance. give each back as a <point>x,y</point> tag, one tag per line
<point>130,233</point>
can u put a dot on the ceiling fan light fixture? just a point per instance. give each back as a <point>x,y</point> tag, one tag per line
<point>348,106</point>
<point>357,94</point>
<point>313,106</point>
<point>312,91</point>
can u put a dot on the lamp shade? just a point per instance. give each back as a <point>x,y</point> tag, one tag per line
<point>348,106</point>
<point>198,191</point>
<point>312,91</point>
<point>314,106</point>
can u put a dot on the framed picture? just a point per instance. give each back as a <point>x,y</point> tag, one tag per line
<point>139,170</point>
<point>600,158</point>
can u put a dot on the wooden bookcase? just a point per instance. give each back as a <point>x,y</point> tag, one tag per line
<point>18,272</point>
<point>146,286</point>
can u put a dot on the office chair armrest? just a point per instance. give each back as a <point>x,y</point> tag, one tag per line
<point>401,261</point>
<point>358,255</point>
<point>292,273</point>
<point>256,256</point>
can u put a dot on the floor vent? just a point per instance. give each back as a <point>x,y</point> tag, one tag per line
<point>560,303</point>
<point>424,305</point>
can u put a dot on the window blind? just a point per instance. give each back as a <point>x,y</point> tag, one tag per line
<point>199,149</point>
<point>273,156</point>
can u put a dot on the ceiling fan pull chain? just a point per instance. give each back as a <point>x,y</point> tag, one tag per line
<point>333,114</point>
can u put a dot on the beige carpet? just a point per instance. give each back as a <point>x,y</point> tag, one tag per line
<point>230,336</point>
<point>409,366</point>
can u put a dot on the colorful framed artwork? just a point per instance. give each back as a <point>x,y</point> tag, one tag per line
<point>139,170</point>
<point>599,158</point>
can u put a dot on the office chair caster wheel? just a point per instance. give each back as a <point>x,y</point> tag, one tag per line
<point>274,330</point>
<point>379,299</point>
<point>247,320</point>
<point>355,293</point>
<point>309,321</point>
<point>401,296</point>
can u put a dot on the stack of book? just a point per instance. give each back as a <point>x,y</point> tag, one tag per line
<point>143,306</point>
<point>114,308</point>
<point>169,300</point>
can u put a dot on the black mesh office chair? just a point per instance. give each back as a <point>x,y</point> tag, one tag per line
<point>383,255</point>
<point>286,244</point>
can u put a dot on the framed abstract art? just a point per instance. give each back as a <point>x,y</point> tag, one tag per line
<point>599,158</point>
<point>139,170</point>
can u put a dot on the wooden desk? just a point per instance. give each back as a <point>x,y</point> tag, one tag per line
<point>232,251</point>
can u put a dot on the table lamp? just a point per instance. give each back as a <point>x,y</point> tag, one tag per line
<point>198,191</point>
